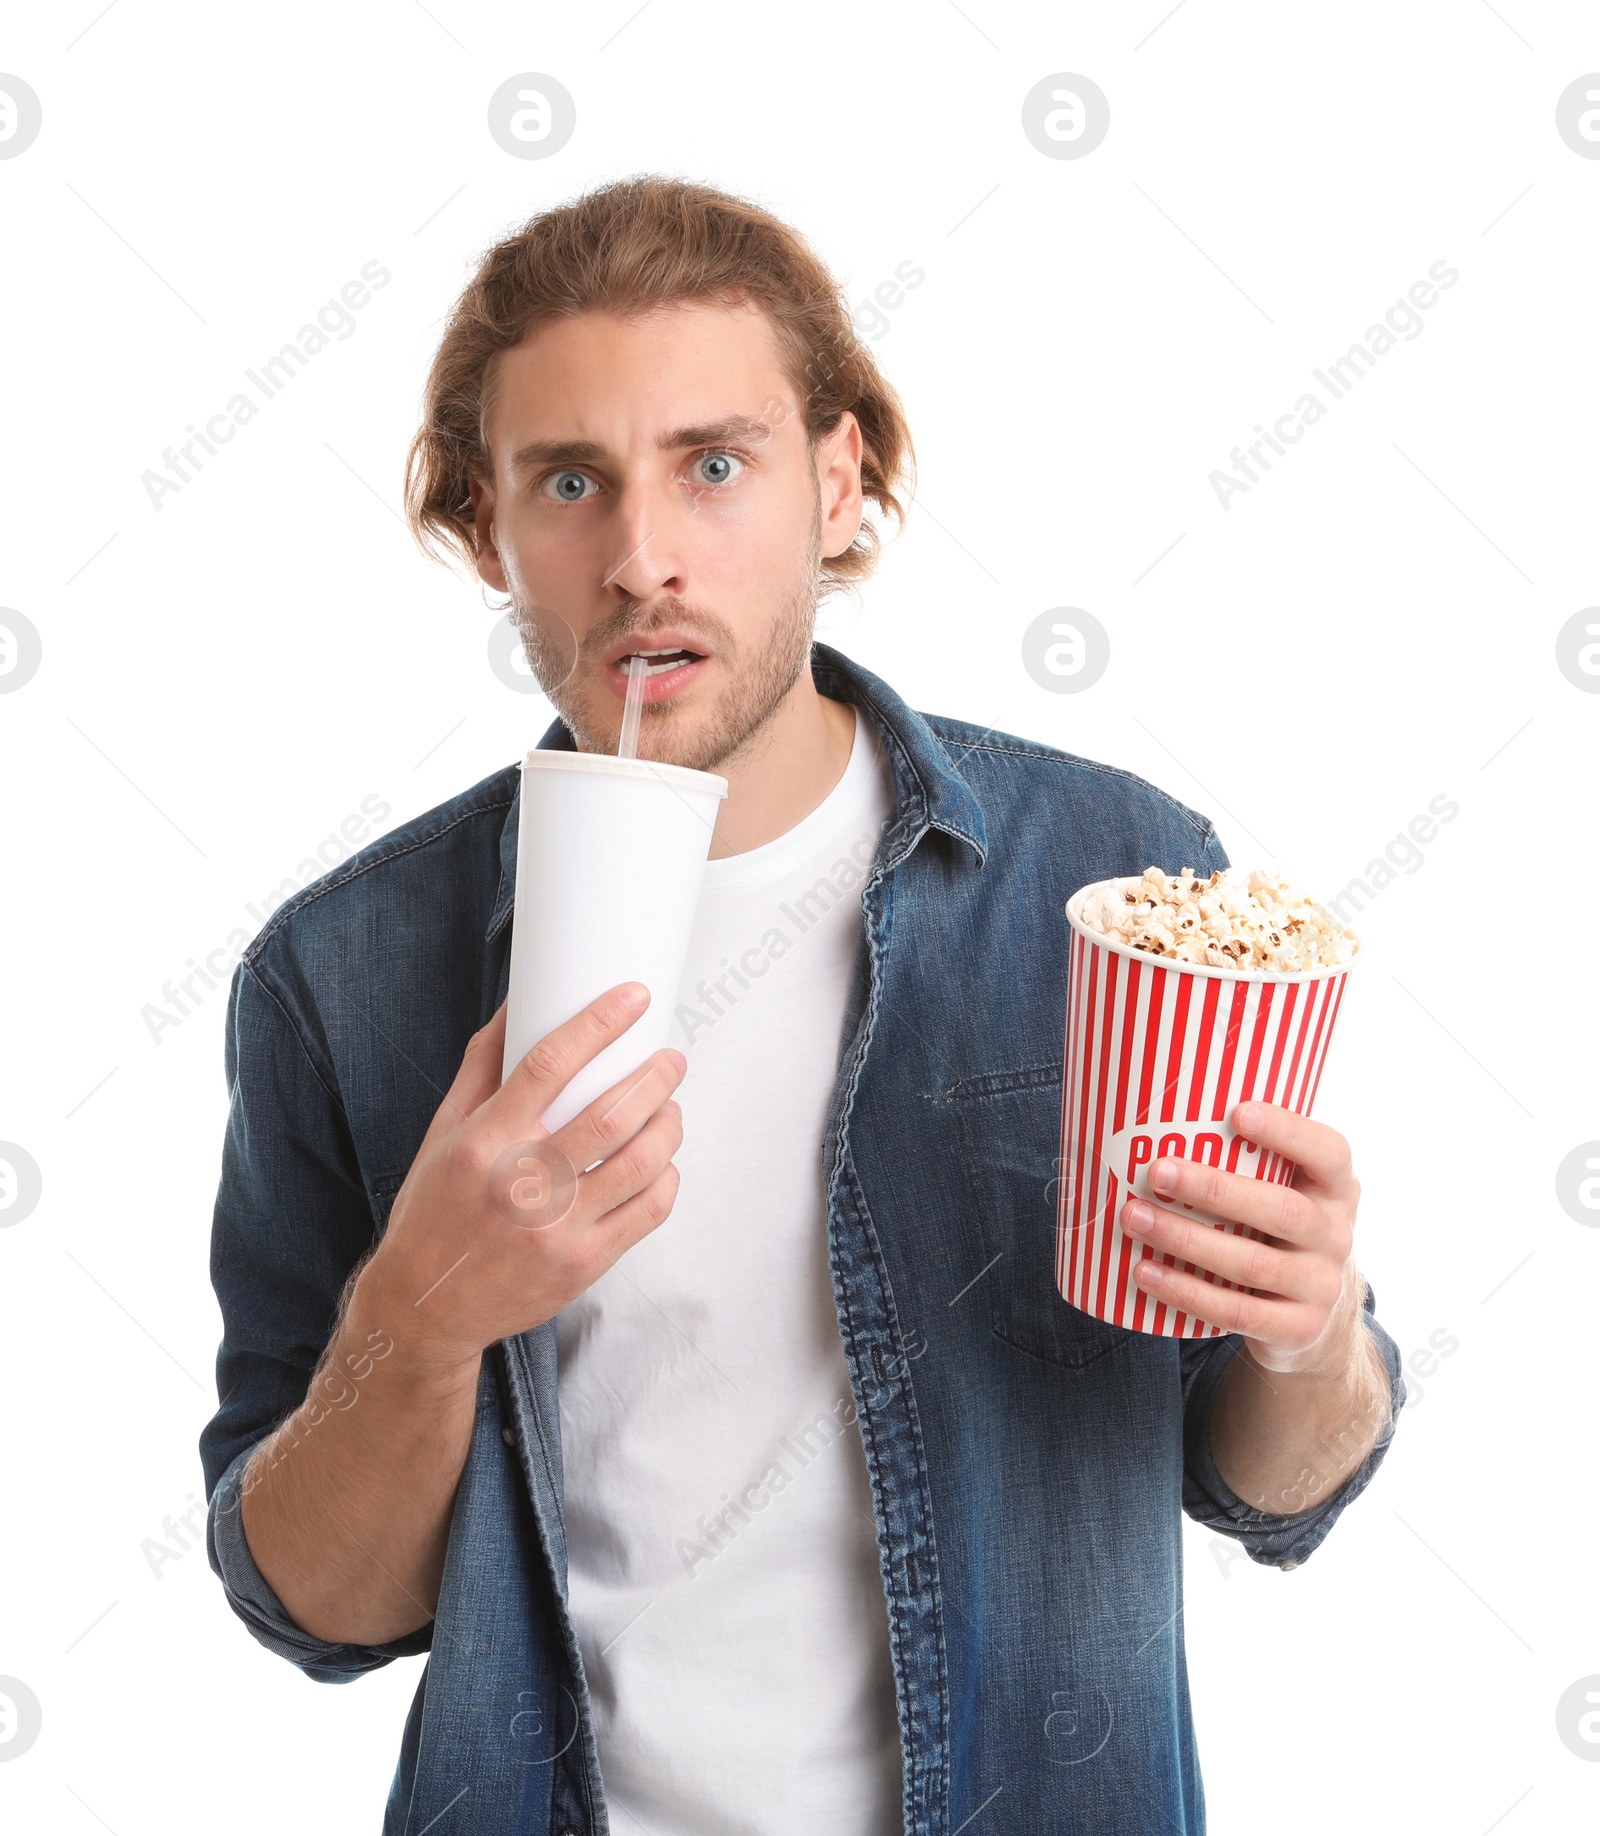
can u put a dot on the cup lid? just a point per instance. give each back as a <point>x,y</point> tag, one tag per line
<point>607,764</point>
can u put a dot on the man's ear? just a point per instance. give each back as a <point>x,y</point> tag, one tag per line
<point>488,554</point>
<point>839,481</point>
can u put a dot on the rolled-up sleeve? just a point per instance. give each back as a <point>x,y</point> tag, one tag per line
<point>261,1610</point>
<point>1269,1538</point>
<point>292,1220</point>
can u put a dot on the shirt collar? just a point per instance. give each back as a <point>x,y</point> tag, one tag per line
<point>929,792</point>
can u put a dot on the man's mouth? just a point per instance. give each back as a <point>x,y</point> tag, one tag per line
<point>658,662</point>
<point>668,668</point>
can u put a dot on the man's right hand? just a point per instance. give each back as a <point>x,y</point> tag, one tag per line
<point>346,1505</point>
<point>485,1242</point>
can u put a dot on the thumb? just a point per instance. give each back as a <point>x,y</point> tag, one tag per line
<point>477,1079</point>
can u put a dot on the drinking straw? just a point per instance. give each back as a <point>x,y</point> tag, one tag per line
<point>628,745</point>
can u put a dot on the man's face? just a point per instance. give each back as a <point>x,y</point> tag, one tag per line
<point>654,492</point>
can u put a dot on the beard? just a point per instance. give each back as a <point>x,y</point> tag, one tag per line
<point>703,737</point>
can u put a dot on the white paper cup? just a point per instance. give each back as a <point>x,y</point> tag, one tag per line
<point>610,858</point>
<point>1157,1055</point>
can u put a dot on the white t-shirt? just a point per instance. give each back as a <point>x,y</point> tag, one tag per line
<point>722,1554</point>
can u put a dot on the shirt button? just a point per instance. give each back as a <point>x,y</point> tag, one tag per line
<point>511,1440</point>
<point>1286,1566</point>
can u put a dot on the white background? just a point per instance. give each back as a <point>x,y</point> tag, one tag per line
<point>1372,625</point>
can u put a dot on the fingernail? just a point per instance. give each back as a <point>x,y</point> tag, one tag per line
<point>1247,1116</point>
<point>1138,1218</point>
<point>1164,1176</point>
<point>633,994</point>
<point>1149,1272</point>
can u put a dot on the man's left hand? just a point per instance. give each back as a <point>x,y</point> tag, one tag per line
<point>1286,1304</point>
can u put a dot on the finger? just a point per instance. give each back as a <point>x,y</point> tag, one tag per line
<point>1281,1211</point>
<point>1250,1263</point>
<point>543,1072</point>
<point>1229,1309</point>
<point>619,1113</point>
<point>620,1229</point>
<point>1321,1153</point>
<point>476,1080</point>
<point>633,1167</point>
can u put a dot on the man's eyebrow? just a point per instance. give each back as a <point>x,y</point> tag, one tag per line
<point>591,452</point>
<point>730,427</point>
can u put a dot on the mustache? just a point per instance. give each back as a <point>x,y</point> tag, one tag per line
<point>634,621</point>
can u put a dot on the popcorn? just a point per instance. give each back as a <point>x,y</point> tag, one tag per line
<point>1232,920</point>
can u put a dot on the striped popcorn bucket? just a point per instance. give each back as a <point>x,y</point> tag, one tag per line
<point>1157,1055</point>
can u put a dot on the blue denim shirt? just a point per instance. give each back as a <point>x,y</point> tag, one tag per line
<point>1028,1464</point>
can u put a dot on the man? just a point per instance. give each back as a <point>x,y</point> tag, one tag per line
<point>769,1485</point>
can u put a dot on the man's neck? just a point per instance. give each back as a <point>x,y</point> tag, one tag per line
<point>785,771</point>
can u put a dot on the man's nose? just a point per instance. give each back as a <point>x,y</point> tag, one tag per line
<point>647,556</point>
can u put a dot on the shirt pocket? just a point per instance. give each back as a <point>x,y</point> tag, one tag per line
<point>1009,1125</point>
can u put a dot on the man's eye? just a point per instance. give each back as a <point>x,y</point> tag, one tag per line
<point>567,486</point>
<point>718,468</point>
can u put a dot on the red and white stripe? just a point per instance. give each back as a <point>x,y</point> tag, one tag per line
<point>1150,1042</point>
